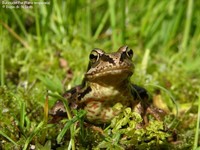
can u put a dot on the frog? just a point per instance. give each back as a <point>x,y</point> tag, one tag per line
<point>107,83</point>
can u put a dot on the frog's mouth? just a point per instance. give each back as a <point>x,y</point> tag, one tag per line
<point>115,74</point>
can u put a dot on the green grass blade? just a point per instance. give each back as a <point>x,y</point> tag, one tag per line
<point>47,18</point>
<point>53,84</point>
<point>101,25</point>
<point>2,68</point>
<point>173,26</point>
<point>196,138</point>
<point>2,55</point>
<point>22,116</point>
<point>123,21</point>
<point>147,17</point>
<point>15,35</point>
<point>145,61</point>
<point>64,130</point>
<point>59,16</point>
<point>187,25</point>
<point>113,21</point>
<point>69,124</point>
<point>37,129</point>
<point>20,22</point>
<point>4,135</point>
<point>37,20</point>
<point>88,19</point>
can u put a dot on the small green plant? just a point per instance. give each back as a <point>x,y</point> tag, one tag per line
<point>127,131</point>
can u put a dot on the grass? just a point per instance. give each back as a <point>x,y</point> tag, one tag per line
<point>44,51</point>
<point>195,146</point>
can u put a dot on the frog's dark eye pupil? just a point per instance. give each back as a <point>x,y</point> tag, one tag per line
<point>94,57</point>
<point>129,53</point>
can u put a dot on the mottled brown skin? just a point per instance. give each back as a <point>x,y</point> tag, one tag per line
<point>106,83</point>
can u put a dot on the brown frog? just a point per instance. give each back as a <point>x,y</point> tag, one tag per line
<point>107,83</point>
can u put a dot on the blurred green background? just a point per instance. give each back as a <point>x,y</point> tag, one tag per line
<point>53,41</point>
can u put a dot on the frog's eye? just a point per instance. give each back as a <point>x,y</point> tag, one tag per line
<point>94,56</point>
<point>129,53</point>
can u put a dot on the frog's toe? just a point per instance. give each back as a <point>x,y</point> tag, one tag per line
<point>157,113</point>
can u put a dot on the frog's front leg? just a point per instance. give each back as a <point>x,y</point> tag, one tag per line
<point>145,110</point>
<point>157,113</point>
<point>143,105</point>
<point>139,93</point>
<point>58,109</point>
